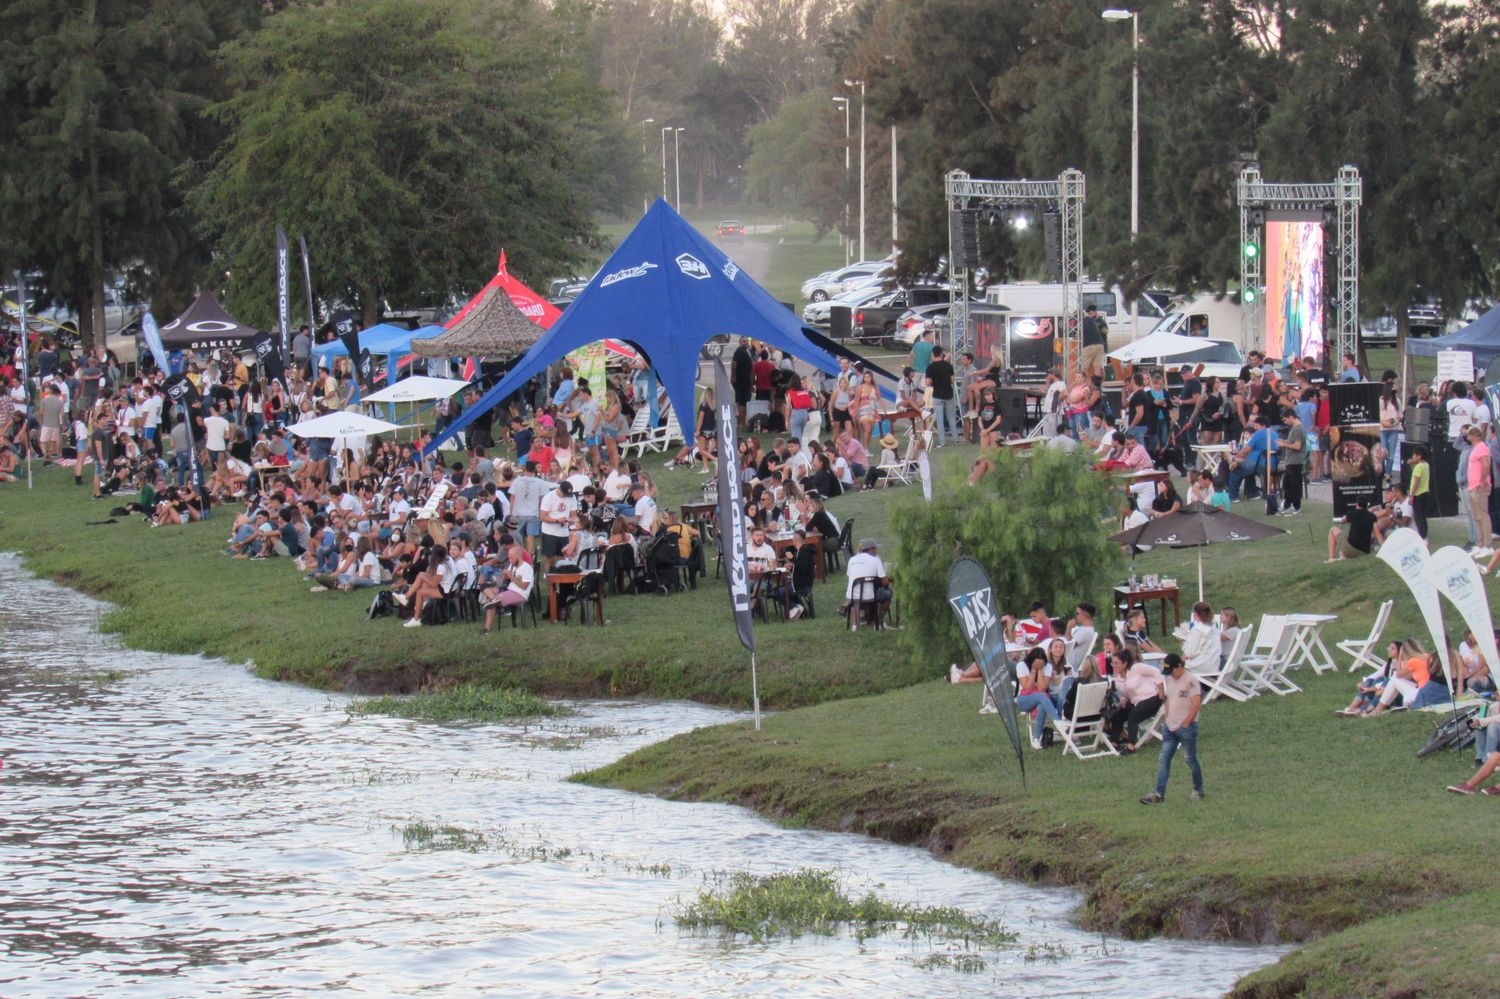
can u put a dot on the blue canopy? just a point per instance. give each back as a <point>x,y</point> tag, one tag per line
<point>383,340</point>
<point>666,290</point>
<point>1481,338</point>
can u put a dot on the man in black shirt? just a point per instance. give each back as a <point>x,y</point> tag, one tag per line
<point>940,377</point>
<point>1093,341</point>
<point>1357,542</point>
<point>1189,399</point>
<point>740,376</point>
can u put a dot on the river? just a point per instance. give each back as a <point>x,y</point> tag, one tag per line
<point>173,826</point>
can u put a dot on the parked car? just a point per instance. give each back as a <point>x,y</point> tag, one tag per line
<point>731,229</point>
<point>818,313</point>
<point>1424,319</point>
<point>1380,331</point>
<point>826,285</point>
<point>878,319</point>
<point>916,321</point>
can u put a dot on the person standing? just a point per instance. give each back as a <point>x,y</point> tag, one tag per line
<point>1420,489</point>
<point>1350,370</point>
<point>742,377</point>
<point>1093,341</point>
<point>1295,444</point>
<point>1183,698</point>
<point>302,351</point>
<point>922,353</point>
<point>1478,494</point>
<point>940,376</point>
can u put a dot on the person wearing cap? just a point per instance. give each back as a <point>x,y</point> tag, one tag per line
<point>888,446</point>
<point>557,509</point>
<point>1182,697</point>
<point>865,565</point>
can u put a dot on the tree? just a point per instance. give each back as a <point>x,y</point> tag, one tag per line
<point>1037,525</point>
<point>103,101</point>
<point>410,140</point>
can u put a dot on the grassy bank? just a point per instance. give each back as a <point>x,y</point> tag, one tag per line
<point>174,592</point>
<point>1316,828</point>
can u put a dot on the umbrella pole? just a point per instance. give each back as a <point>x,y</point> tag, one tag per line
<point>1200,574</point>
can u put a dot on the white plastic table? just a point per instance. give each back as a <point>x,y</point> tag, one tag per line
<point>1210,456</point>
<point>1307,641</point>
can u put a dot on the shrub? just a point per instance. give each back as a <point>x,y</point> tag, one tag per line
<point>1038,522</point>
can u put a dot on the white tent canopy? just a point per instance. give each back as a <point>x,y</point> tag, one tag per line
<point>417,388</point>
<point>1155,345</point>
<point>343,424</point>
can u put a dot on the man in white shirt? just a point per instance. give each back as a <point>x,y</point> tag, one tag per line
<point>1460,412</point>
<point>645,509</point>
<point>150,409</point>
<point>759,555</point>
<point>526,494</point>
<point>557,509</point>
<point>797,464</point>
<point>865,565</point>
<point>1480,415</point>
<point>617,484</point>
<point>399,508</point>
<point>215,431</point>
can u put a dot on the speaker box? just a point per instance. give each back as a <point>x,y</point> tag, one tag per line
<point>1012,408</point>
<point>840,322</point>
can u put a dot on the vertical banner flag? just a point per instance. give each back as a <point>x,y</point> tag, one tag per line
<point>972,601</point>
<point>283,294</point>
<point>152,335</point>
<point>732,509</point>
<point>268,356</point>
<point>312,320</point>
<point>587,363</point>
<point>1406,552</point>
<point>924,468</point>
<point>1457,577</point>
<point>350,340</point>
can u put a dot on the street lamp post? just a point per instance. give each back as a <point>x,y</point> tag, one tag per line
<point>645,198</point>
<point>850,83</point>
<point>847,243</point>
<point>677,163</point>
<point>895,235</point>
<point>664,130</point>
<point>1117,14</point>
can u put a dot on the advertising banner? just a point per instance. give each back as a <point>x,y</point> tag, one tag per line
<point>283,294</point>
<point>1406,552</point>
<point>972,600</point>
<point>1031,348</point>
<point>1352,464</point>
<point>732,510</point>
<point>1352,404</point>
<point>1456,577</point>
<point>1294,288</point>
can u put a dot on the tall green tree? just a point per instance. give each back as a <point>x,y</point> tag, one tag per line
<point>100,104</point>
<point>410,140</point>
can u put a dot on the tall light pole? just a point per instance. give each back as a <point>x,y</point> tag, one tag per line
<point>847,243</point>
<point>1134,17</point>
<point>677,163</point>
<point>895,234</point>
<point>850,83</point>
<point>664,130</point>
<point>645,198</point>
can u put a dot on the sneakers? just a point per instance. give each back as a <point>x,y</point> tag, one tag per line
<point>1479,553</point>
<point>988,708</point>
<point>317,589</point>
<point>1196,796</point>
<point>1154,798</point>
<point>1464,788</point>
<point>400,598</point>
<point>955,675</point>
<point>413,622</point>
<point>795,612</point>
<point>1491,791</point>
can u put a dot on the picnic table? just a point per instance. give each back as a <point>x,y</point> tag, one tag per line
<point>557,580</point>
<point>698,511</point>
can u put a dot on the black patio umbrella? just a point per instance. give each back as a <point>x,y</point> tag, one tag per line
<point>1195,526</point>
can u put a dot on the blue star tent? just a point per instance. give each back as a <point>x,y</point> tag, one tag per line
<point>666,290</point>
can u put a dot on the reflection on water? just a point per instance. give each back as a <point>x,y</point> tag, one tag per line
<point>174,826</point>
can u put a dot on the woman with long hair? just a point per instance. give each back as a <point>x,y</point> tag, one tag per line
<point>1390,428</point>
<point>866,406</point>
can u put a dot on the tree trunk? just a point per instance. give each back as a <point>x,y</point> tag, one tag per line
<point>1403,325</point>
<point>369,305</point>
<point>698,204</point>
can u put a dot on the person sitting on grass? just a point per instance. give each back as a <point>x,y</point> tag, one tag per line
<point>1202,488</point>
<point>1487,749</point>
<point>1418,682</point>
<point>1360,538</point>
<point>1367,692</point>
<point>1473,672</point>
<point>1393,513</point>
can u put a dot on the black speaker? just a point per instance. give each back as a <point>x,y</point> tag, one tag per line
<point>840,322</point>
<point>1444,464</point>
<point>1052,242</point>
<point>963,237</point>
<point>1012,408</point>
<point>1418,424</point>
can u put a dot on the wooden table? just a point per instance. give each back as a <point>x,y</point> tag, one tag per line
<point>557,580</point>
<point>1126,599</point>
<point>784,542</point>
<point>1149,475</point>
<point>695,513</point>
<point>896,415</point>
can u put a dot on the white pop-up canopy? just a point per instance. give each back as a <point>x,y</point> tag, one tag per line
<point>342,424</point>
<point>1155,345</point>
<point>417,388</point>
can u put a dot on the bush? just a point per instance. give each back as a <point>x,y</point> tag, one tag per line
<point>1039,523</point>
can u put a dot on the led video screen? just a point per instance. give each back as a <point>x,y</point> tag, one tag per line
<point>1294,288</point>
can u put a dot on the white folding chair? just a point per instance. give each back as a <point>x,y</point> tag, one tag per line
<point>902,469</point>
<point>635,437</point>
<point>1365,652</point>
<point>1223,683</point>
<point>1152,729</point>
<point>1267,671</point>
<point>1083,733</point>
<point>1077,653</point>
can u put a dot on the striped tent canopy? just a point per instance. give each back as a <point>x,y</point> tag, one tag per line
<point>494,327</point>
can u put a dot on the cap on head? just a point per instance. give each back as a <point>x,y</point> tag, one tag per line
<point>868,544</point>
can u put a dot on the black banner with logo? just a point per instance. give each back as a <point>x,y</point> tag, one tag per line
<point>1031,345</point>
<point>1353,465</point>
<point>268,356</point>
<point>972,600</point>
<point>732,509</point>
<point>1352,404</point>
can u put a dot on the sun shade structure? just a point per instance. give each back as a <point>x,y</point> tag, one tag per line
<point>417,388</point>
<point>666,290</point>
<point>343,424</point>
<point>1195,526</point>
<point>206,326</point>
<point>385,340</point>
<point>494,327</point>
<point>1480,338</point>
<point>1155,345</point>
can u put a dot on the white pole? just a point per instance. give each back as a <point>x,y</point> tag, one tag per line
<point>645,198</point>
<point>862,170</point>
<point>1200,574</point>
<point>895,236</point>
<point>847,242</point>
<point>665,129</point>
<point>755,691</point>
<point>677,163</point>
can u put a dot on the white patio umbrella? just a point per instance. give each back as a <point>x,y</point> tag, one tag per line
<point>343,424</point>
<point>417,388</point>
<point>1156,345</point>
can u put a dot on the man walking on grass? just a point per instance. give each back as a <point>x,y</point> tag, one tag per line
<point>1182,697</point>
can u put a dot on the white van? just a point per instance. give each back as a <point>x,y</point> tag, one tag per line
<point>1035,298</point>
<point>1207,316</point>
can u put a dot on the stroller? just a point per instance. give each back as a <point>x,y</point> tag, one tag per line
<point>660,566</point>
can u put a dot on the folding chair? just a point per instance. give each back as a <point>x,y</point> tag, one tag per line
<point>1224,682</point>
<point>1152,729</point>
<point>1266,670</point>
<point>841,544</point>
<point>1083,733</point>
<point>902,469</point>
<point>1077,653</point>
<point>640,430</point>
<point>1365,652</point>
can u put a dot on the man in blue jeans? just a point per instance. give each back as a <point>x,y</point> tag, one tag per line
<point>1182,698</point>
<point>1249,465</point>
